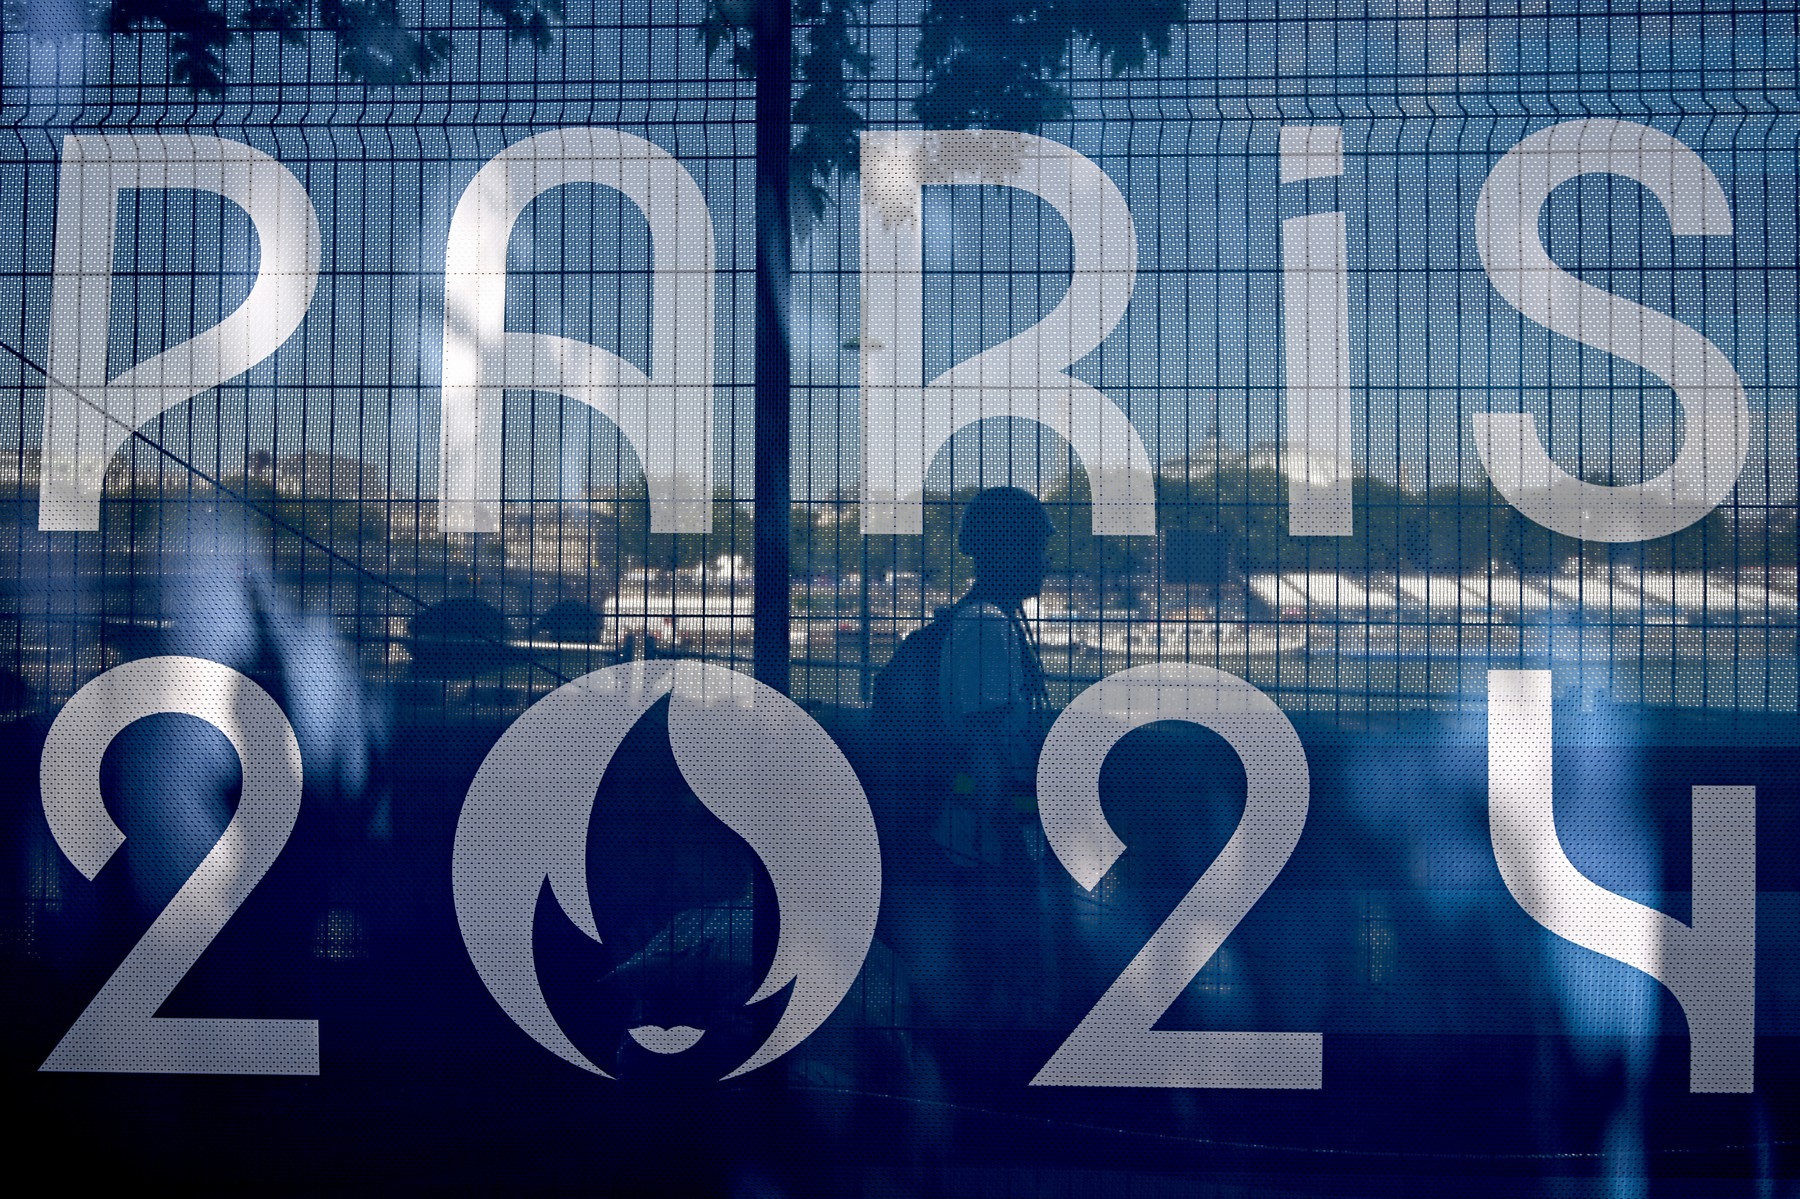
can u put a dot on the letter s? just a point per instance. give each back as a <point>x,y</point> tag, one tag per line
<point>1716,437</point>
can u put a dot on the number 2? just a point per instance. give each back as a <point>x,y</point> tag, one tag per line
<point>1116,1044</point>
<point>120,1032</point>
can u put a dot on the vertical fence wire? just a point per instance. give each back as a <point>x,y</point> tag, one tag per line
<point>318,468</point>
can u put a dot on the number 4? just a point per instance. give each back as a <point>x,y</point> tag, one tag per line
<point>1709,963</point>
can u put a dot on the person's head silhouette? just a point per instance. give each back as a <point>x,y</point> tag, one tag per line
<point>1006,531</point>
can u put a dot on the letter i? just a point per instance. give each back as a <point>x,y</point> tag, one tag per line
<point>1316,304</point>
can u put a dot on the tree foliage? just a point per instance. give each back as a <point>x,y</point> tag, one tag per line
<point>988,64</point>
<point>996,64</point>
<point>375,44</point>
<point>830,56</point>
<point>1448,529</point>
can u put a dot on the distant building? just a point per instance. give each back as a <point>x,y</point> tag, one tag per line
<point>331,476</point>
<point>575,538</point>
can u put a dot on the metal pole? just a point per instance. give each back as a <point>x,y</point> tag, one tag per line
<point>774,140</point>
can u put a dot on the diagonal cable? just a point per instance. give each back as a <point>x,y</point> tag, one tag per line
<point>270,514</point>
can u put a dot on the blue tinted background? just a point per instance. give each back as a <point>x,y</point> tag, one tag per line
<point>285,523</point>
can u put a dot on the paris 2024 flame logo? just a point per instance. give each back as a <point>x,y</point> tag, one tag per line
<point>755,759</point>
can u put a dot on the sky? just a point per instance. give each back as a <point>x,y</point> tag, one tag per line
<point>1428,100</point>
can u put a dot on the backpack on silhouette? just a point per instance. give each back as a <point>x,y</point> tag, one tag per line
<point>905,698</point>
<point>918,760</point>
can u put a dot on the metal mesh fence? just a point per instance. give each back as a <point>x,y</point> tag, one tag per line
<point>1299,224</point>
<point>318,467</point>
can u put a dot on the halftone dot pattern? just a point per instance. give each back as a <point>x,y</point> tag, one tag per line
<point>381,405</point>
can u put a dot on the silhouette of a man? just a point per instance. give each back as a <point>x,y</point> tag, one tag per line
<point>991,683</point>
<point>966,904</point>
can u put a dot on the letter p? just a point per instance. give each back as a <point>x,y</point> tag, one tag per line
<point>88,416</point>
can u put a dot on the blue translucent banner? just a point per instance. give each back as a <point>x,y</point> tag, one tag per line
<point>1267,665</point>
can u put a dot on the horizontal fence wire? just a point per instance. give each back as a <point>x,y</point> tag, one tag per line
<point>317,471</point>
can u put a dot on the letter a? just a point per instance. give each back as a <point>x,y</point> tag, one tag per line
<point>665,415</point>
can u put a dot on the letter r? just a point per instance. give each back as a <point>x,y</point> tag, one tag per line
<point>907,419</point>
